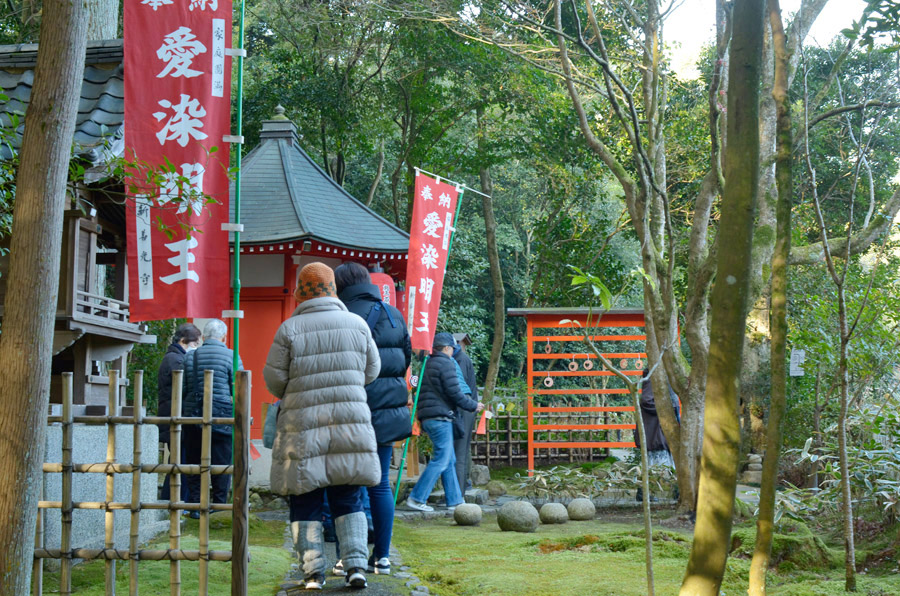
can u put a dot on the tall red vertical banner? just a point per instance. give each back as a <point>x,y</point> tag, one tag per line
<point>177,110</point>
<point>430,232</point>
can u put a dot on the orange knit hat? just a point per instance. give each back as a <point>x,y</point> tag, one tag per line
<point>315,281</point>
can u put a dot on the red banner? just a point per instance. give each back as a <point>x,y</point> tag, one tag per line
<point>177,109</point>
<point>434,208</point>
<point>386,287</point>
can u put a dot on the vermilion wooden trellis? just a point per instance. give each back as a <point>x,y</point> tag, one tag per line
<point>556,336</point>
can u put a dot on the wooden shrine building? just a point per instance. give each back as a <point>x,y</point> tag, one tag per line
<point>93,332</point>
<point>293,213</point>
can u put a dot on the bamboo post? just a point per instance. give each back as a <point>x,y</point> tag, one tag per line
<point>509,439</point>
<point>65,534</point>
<point>37,566</point>
<point>205,445</point>
<point>175,484</point>
<point>240,555</point>
<point>109,521</point>
<point>137,404</point>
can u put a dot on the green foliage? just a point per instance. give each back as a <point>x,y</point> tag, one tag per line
<point>148,357</point>
<point>615,479</point>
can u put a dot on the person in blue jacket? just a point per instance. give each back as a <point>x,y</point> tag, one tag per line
<point>439,398</point>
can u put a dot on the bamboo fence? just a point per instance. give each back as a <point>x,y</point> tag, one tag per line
<point>239,554</point>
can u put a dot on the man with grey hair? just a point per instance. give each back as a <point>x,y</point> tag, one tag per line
<point>215,356</point>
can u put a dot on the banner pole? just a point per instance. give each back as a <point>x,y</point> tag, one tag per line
<point>236,277</point>
<point>406,443</point>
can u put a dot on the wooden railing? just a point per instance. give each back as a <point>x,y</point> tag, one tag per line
<point>239,554</point>
<point>94,305</point>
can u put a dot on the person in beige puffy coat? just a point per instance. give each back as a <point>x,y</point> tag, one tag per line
<point>321,359</point>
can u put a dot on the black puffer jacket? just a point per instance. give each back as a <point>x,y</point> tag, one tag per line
<point>173,360</point>
<point>387,395</point>
<point>215,356</point>
<point>440,395</point>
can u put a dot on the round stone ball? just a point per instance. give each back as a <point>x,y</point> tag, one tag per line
<point>582,510</point>
<point>517,516</point>
<point>467,514</point>
<point>554,513</point>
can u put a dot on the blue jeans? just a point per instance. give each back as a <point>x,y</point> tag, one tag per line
<point>381,499</point>
<point>443,464</point>
<point>342,499</point>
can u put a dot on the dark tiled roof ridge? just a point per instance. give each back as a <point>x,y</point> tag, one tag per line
<point>24,55</point>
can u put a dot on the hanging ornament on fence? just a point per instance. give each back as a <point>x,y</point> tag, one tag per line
<point>548,348</point>
<point>548,382</point>
<point>573,366</point>
<point>623,364</point>
<point>588,364</point>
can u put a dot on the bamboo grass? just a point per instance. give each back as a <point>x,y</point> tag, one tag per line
<point>134,541</point>
<point>175,484</point>
<point>109,517</point>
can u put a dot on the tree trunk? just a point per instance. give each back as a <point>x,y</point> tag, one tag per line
<point>721,441</point>
<point>103,19</point>
<point>493,255</point>
<point>33,284</point>
<point>778,324</point>
<point>378,174</point>
<point>846,497</point>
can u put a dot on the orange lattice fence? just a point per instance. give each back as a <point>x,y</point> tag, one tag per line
<point>568,389</point>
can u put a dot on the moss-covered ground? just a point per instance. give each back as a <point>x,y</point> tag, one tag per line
<point>607,558</point>
<point>269,562</point>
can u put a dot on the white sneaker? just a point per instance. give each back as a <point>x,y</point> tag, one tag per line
<point>415,505</point>
<point>338,568</point>
<point>382,566</point>
<point>355,578</point>
<point>315,582</point>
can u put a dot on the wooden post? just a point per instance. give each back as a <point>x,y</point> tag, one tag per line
<point>530,397</point>
<point>509,439</point>
<point>205,447</point>
<point>65,534</point>
<point>175,484</point>
<point>134,543</point>
<point>109,521</point>
<point>240,529</point>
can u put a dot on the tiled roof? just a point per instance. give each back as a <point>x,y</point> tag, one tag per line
<point>285,195</point>
<point>101,109</point>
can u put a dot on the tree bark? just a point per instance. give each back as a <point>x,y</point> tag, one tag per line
<point>784,180</point>
<point>33,284</point>
<point>729,300</point>
<point>493,255</point>
<point>103,19</point>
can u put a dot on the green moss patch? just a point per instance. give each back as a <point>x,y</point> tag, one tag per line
<point>794,547</point>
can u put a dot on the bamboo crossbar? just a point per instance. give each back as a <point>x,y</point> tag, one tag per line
<point>127,420</point>
<point>120,554</point>
<point>110,468</point>
<point>127,506</point>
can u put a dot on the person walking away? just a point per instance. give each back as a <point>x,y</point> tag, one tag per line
<point>657,448</point>
<point>464,420</point>
<point>439,396</point>
<point>321,359</point>
<point>213,355</point>
<point>185,339</point>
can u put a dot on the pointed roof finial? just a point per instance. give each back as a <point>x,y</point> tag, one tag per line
<point>279,113</point>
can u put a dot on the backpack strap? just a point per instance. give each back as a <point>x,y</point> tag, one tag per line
<point>375,314</point>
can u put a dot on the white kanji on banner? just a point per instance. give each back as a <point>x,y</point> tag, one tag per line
<point>170,191</point>
<point>186,121</point>
<point>182,259</point>
<point>426,286</point>
<point>423,322</point>
<point>178,51</point>
<point>429,256</point>
<point>426,193</point>
<point>444,200</point>
<point>432,222</point>
<point>154,4</point>
<point>203,4</point>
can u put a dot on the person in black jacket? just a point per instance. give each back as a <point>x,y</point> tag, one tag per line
<point>387,395</point>
<point>215,356</point>
<point>186,338</point>
<point>657,448</point>
<point>439,397</point>
<point>465,420</point>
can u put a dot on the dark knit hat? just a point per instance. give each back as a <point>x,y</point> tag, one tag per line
<point>442,340</point>
<point>316,280</point>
